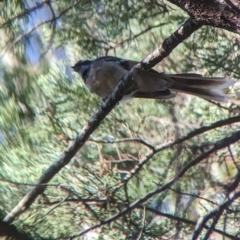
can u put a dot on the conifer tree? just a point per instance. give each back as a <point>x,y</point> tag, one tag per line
<point>73,167</point>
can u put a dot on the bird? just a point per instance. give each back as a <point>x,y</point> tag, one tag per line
<point>102,75</point>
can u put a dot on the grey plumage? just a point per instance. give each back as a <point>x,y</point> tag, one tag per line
<point>103,74</point>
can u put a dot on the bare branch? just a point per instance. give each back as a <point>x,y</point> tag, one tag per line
<point>139,140</point>
<point>190,135</point>
<point>143,224</point>
<point>194,196</point>
<point>52,20</point>
<point>57,205</point>
<point>20,15</point>
<point>215,213</point>
<point>54,23</point>
<point>187,221</point>
<point>217,146</point>
<point>113,46</point>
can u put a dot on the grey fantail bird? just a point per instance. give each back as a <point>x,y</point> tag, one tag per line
<point>103,74</point>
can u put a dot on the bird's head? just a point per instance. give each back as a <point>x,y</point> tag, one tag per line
<point>83,68</point>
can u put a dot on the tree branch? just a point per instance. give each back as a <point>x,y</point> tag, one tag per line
<point>161,52</point>
<point>12,232</point>
<point>215,213</point>
<point>234,5</point>
<point>186,221</point>
<point>113,46</point>
<point>52,20</point>
<point>190,135</point>
<point>217,146</point>
<point>22,14</point>
<point>212,13</point>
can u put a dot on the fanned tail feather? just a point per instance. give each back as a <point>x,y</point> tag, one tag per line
<point>216,95</point>
<point>195,84</point>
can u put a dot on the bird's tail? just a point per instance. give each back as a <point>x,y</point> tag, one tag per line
<point>196,84</point>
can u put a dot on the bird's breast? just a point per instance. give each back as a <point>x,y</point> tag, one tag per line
<point>103,79</point>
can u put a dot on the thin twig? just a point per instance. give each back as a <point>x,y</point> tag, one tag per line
<point>133,37</point>
<point>20,37</point>
<point>143,224</point>
<point>54,22</point>
<point>139,140</point>
<point>57,205</point>
<point>22,14</point>
<point>186,221</point>
<point>217,146</point>
<point>190,135</point>
<point>215,213</point>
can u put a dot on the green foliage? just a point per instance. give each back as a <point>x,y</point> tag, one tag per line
<point>42,110</point>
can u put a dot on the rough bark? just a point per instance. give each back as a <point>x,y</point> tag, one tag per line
<point>215,13</point>
<point>10,232</point>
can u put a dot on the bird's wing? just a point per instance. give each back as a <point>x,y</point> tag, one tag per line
<point>125,63</point>
<point>166,94</point>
